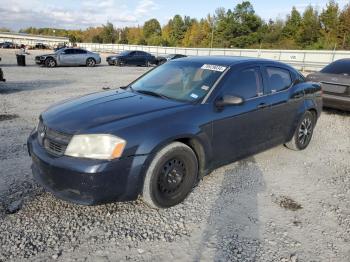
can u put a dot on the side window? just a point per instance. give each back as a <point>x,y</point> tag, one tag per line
<point>69,51</point>
<point>279,78</point>
<point>246,83</point>
<point>80,51</point>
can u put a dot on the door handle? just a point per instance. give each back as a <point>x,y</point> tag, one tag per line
<point>262,105</point>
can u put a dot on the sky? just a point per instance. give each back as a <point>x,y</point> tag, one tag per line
<point>80,14</point>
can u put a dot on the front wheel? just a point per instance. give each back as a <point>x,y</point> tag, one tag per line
<point>170,176</point>
<point>303,133</point>
<point>90,62</point>
<point>50,62</point>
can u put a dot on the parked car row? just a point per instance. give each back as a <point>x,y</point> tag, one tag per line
<point>64,56</point>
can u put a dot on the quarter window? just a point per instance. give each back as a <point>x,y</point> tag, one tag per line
<point>279,79</point>
<point>246,83</point>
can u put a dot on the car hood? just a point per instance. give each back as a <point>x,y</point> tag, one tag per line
<point>53,54</point>
<point>101,108</point>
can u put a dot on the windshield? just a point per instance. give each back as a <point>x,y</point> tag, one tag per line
<point>124,53</point>
<point>183,81</point>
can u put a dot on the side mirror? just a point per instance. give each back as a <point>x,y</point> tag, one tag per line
<point>229,100</point>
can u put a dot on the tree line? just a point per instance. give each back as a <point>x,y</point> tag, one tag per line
<point>239,27</point>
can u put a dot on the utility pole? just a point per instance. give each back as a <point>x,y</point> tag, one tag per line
<point>212,34</point>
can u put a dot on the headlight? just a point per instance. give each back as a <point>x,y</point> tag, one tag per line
<point>96,146</point>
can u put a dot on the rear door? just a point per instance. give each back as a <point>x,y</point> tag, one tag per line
<point>80,56</point>
<point>283,102</point>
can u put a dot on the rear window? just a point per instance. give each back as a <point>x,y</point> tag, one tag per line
<point>338,67</point>
<point>279,78</point>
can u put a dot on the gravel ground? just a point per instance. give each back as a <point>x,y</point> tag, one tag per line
<point>279,205</point>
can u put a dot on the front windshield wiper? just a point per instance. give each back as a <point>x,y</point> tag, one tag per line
<point>151,93</point>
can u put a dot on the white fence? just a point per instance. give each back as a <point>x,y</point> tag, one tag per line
<point>303,60</point>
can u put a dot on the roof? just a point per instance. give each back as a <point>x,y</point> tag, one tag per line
<point>223,60</point>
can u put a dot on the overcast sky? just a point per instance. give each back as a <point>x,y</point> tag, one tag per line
<point>79,14</point>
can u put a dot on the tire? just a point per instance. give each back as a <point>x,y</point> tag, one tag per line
<point>171,176</point>
<point>303,133</point>
<point>119,63</point>
<point>147,63</point>
<point>90,62</point>
<point>50,62</point>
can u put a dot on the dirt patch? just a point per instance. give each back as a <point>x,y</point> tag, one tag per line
<point>8,117</point>
<point>288,203</point>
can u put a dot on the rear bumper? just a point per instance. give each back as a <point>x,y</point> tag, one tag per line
<point>84,181</point>
<point>338,102</point>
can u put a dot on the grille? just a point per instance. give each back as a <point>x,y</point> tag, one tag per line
<point>54,142</point>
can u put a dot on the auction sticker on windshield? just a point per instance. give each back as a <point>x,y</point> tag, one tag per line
<point>214,67</point>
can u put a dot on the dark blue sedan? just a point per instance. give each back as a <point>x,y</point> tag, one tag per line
<point>158,136</point>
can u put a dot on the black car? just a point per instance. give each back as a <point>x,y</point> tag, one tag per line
<point>2,79</point>
<point>162,59</point>
<point>138,58</point>
<point>335,80</point>
<point>41,46</point>
<point>158,136</point>
<point>7,45</point>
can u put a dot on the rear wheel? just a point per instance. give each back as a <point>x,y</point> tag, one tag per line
<point>303,132</point>
<point>50,62</point>
<point>170,176</point>
<point>90,62</point>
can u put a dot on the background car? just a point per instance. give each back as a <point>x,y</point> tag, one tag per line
<point>41,46</point>
<point>7,45</point>
<point>69,57</point>
<point>60,46</point>
<point>335,80</point>
<point>162,59</point>
<point>2,79</point>
<point>139,58</point>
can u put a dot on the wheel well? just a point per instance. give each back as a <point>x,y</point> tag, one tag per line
<point>91,58</point>
<point>49,57</point>
<point>198,150</point>
<point>314,112</point>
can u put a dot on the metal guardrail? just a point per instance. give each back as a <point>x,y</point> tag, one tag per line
<point>310,60</point>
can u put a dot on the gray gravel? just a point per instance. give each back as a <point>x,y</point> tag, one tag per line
<point>279,205</point>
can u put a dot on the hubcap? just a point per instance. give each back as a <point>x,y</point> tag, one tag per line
<point>171,176</point>
<point>305,131</point>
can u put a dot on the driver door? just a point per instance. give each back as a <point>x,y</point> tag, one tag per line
<point>241,130</point>
<point>66,57</point>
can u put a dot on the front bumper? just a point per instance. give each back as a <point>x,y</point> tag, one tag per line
<point>39,61</point>
<point>338,102</point>
<point>85,181</point>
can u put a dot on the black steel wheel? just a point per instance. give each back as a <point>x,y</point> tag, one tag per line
<point>170,176</point>
<point>303,133</point>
